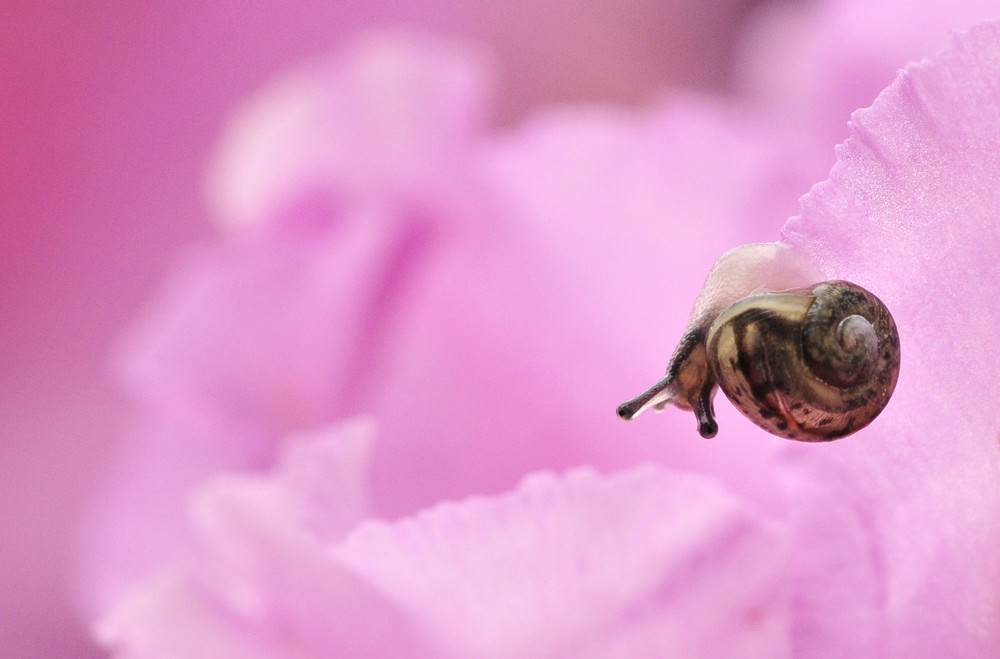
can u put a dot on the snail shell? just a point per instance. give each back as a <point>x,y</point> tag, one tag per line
<point>812,364</point>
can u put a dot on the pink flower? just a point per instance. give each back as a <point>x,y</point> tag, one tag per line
<point>400,291</point>
<point>578,565</point>
<point>107,119</point>
<point>487,301</point>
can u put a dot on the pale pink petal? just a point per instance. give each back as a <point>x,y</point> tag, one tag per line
<point>135,519</point>
<point>810,66</point>
<point>637,205</point>
<point>641,561</point>
<point>143,520</point>
<point>174,617</point>
<point>327,476</point>
<point>375,302</point>
<point>269,333</point>
<point>630,209</point>
<point>259,580</point>
<point>507,372</point>
<point>250,342</point>
<point>838,570</point>
<point>391,116</point>
<point>911,212</point>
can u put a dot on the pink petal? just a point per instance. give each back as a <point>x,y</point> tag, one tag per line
<point>811,67</point>
<point>642,561</point>
<point>173,616</point>
<point>910,211</point>
<point>320,483</point>
<point>637,205</point>
<point>390,116</point>
<point>261,582</point>
<point>442,317</point>
<point>268,332</point>
<point>136,520</point>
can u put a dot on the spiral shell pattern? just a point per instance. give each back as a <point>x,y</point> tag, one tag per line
<point>811,365</point>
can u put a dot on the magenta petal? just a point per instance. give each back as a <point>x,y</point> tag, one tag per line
<point>644,561</point>
<point>912,211</point>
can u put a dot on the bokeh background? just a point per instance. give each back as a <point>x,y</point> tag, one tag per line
<point>108,115</point>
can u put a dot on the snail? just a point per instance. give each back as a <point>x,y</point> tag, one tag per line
<point>811,363</point>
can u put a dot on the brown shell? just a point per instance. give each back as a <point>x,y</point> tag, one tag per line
<point>811,365</point>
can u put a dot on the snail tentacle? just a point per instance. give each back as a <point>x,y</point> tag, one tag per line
<point>689,384</point>
<point>656,397</point>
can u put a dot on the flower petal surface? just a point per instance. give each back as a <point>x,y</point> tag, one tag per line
<point>643,560</point>
<point>911,212</point>
<point>258,582</point>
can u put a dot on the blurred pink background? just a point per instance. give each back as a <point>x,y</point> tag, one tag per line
<point>107,117</point>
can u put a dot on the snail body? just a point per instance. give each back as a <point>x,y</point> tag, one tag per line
<point>810,364</point>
